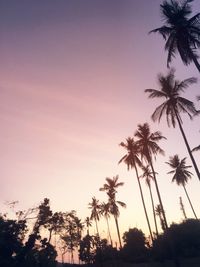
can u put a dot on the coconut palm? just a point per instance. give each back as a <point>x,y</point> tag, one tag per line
<point>147,142</point>
<point>132,160</point>
<point>88,224</point>
<point>114,210</point>
<point>111,185</point>
<point>148,176</point>
<point>105,211</point>
<point>181,32</point>
<point>174,104</point>
<point>111,189</point>
<point>95,211</point>
<point>181,175</point>
<point>159,213</point>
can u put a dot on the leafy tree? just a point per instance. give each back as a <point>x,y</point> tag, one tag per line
<point>147,142</point>
<point>134,245</point>
<point>21,247</point>
<point>11,240</point>
<point>72,232</point>
<point>181,175</point>
<point>174,104</point>
<point>181,32</point>
<point>86,250</point>
<point>132,160</point>
<point>183,238</point>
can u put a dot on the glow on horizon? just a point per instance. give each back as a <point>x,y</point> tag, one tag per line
<point>71,90</point>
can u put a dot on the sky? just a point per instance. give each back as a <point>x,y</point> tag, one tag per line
<point>72,81</point>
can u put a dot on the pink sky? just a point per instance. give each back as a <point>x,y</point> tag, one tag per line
<point>73,76</point>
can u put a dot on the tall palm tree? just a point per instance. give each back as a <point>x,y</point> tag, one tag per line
<point>88,224</point>
<point>147,142</point>
<point>132,160</point>
<point>174,104</point>
<point>181,175</point>
<point>159,213</point>
<point>148,176</point>
<point>114,210</point>
<point>111,189</point>
<point>95,211</point>
<point>105,211</point>
<point>181,32</point>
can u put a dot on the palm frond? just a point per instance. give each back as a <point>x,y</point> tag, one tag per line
<point>197,148</point>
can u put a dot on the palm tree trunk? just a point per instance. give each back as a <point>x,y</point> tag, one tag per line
<point>144,206</point>
<point>109,230</point>
<point>158,192</point>
<point>118,233</point>
<point>188,147</point>
<point>195,61</point>
<point>154,214</point>
<point>97,227</point>
<point>190,202</point>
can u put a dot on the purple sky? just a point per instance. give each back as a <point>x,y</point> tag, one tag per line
<point>73,75</point>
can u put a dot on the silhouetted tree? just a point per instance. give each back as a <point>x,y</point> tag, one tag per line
<point>132,160</point>
<point>110,188</point>
<point>182,34</point>
<point>174,104</point>
<point>182,208</point>
<point>181,175</point>
<point>134,245</point>
<point>147,142</point>
<point>183,238</point>
<point>95,211</point>
<point>148,176</point>
<point>105,211</point>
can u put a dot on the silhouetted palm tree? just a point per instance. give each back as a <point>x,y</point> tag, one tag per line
<point>111,189</point>
<point>181,175</point>
<point>132,160</point>
<point>147,142</point>
<point>95,212</point>
<point>105,211</point>
<point>182,34</point>
<point>88,224</point>
<point>111,185</point>
<point>159,213</point>
<point>174,104</point>
<point>148,176</point>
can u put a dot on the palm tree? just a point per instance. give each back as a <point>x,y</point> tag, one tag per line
<point>159,213</point>
<point>182,208</point>
<point>95,212</point>
<point>181,175</point>
<point>147,142</point>
<point>148,176</point>
<point>131,159</point>
<point>111,189</point>
<point>174,104</point>
<point>105,211</point>
<point>88,224</point>
<point>181,33</point>
<point>114,210</point>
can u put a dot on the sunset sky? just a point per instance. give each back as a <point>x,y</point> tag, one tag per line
<point>72,80</point>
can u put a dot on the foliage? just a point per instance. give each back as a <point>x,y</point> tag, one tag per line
<point>182,240</point>
<point>134,249</point>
